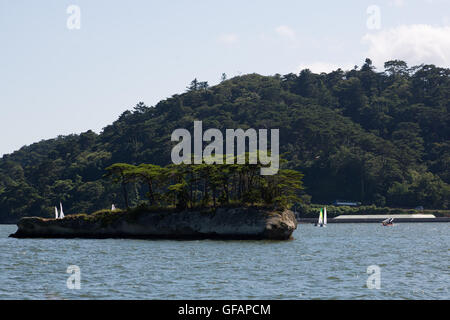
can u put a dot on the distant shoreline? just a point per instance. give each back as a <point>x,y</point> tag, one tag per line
<point>372,220</point>
<point>311,211</point>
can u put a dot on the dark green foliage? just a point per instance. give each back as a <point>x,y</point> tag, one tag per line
<point>375,137</point>
<point>209,185</point>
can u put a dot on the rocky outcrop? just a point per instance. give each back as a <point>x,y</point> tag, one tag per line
<point>222,223</point>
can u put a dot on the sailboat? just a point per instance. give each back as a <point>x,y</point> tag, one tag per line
<point>61,214</point>
<point>56,213</point>
<point>319,223</point>
<point>113,207</point>
<point>322,222</point>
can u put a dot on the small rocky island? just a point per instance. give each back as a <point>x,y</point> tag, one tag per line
<point>222,223</point>
<point>185,201</point>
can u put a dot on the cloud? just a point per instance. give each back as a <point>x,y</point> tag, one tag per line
<point>228,38</point>
<point>286,32</point>
<point>415,44</point>
<point>318,67</point>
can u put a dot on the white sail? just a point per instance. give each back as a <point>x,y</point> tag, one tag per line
<point>56,213</point>
<point>61,214</point>
<point>325,215</point>
<point>113,207</point>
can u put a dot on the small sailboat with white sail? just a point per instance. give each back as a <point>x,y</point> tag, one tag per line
<point>60,214</point>
<point>322,222</point>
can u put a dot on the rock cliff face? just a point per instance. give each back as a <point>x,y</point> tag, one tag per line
<point>224,223</point>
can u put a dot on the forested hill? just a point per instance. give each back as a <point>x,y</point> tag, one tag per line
<point>376,137</point>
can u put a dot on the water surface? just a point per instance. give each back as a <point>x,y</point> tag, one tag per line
<point>320,263</point>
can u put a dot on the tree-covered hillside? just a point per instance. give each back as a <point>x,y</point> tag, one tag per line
<point>376,137</point>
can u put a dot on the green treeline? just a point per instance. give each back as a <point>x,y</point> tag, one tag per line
<point>204,185</point>
<point>375,136</point>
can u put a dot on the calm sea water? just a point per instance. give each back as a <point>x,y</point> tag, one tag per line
<point>320,263</point>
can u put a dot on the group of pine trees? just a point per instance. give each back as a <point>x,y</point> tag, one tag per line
<point>189,186</point>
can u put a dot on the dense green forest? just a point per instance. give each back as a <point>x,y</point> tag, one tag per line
<point>378,137</point>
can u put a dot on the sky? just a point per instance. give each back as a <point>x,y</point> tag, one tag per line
<point>70,66</point>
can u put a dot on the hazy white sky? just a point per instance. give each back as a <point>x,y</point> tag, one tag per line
<point>58,81</point>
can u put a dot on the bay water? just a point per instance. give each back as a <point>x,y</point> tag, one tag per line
<point>410,261</point>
